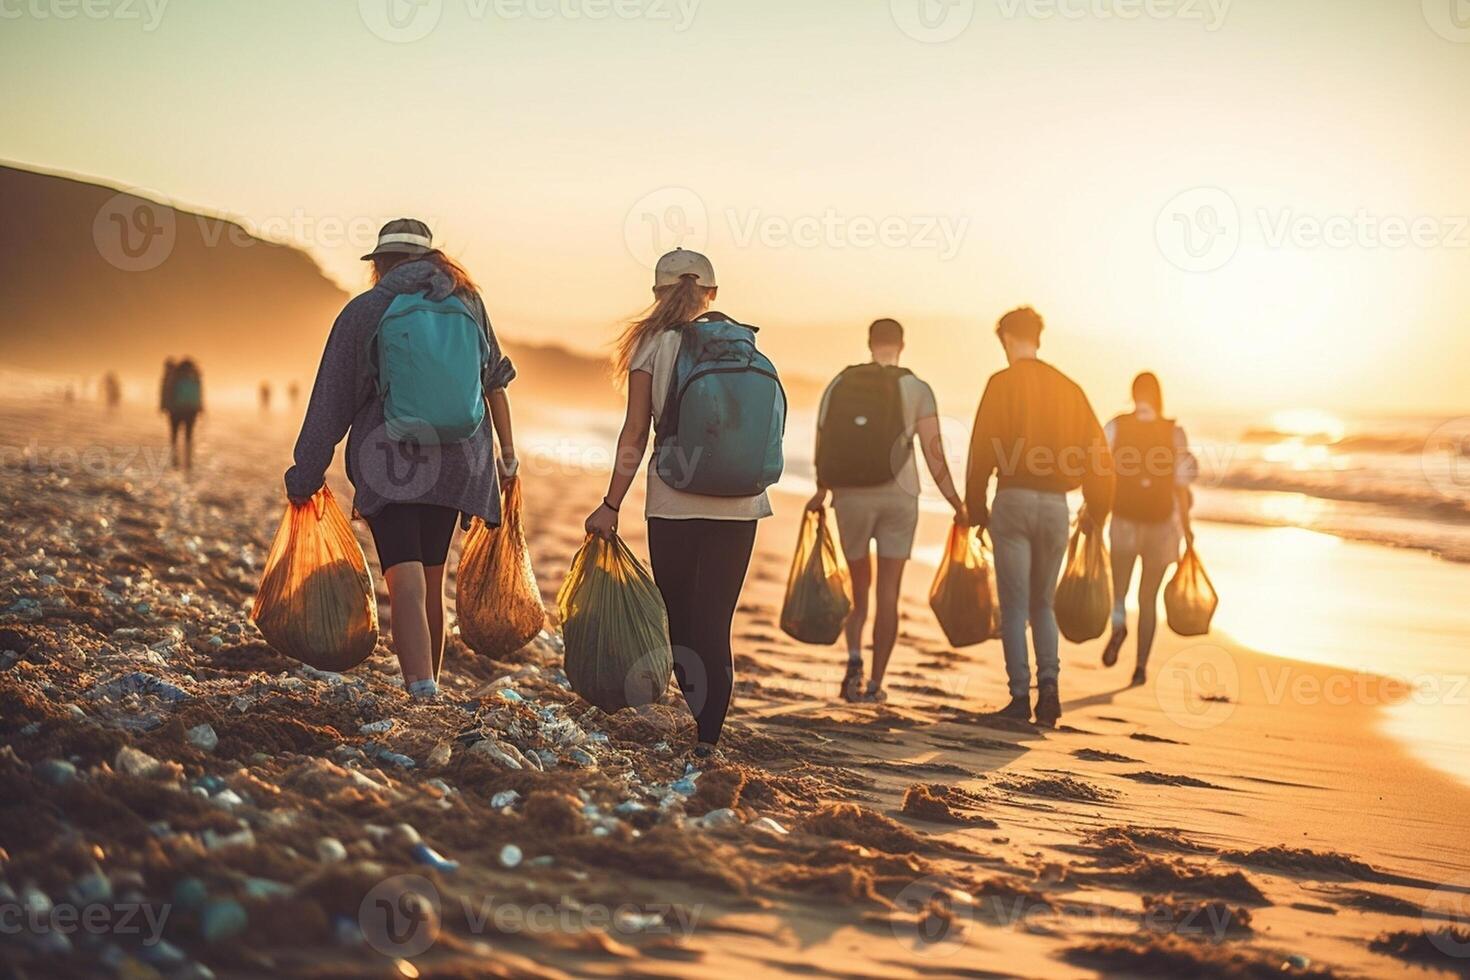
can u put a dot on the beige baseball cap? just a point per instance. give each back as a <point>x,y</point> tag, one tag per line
<point>680,263</point>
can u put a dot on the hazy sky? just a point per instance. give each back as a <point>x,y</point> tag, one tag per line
<point>1265,201</point>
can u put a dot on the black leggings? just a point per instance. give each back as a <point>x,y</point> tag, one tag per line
<point>700,567</point>
<point>412,532</point>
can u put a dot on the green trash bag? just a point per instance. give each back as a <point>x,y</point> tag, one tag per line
<point>1084,600</point>
<point>1190,599</point>
<point>615,628</point>
<point>963,596</point>
<point>819,589</point>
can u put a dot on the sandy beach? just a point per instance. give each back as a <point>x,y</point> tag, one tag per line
<point>1240,816</point>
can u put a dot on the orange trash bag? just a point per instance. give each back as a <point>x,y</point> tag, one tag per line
<point>1084,599</point>
<point>1190,599</point>
<point>316,601</point>
<point>819,589</point>
<point>496,596</point>
<point>963,596</point>
<point>614,627</point>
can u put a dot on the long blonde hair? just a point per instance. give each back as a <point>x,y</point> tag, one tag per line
<point>673,307</point>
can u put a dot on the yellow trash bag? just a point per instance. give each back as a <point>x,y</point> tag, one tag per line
<point>615,628</point>
<point>819,589</point>
<point>496,596</point>
<point>963,596</point>
<point>1084,599</point>
<point>1190,599</point>
<point>316,600</point>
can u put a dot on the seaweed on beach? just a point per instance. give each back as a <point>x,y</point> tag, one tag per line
<point>1212,920</point>
<point>937,803</point>
<point>1445,948</point>
<point>1303,861</point>
<point>1171,956</point>
<point>1169,779</point>
<point>1058,787</point>
<point>1101,755</point>
<point>860,825</point>
<point>1153,874</point>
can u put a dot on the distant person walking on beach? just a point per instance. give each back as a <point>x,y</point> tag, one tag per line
<point>182,399</point>
<point>293,393</point>
<point>1037,432</point>
<point>265,396</point>
<point>408,372</point>
<point>701,516</point>
<point>111,391</point>
<point>866,425</point>
<point>1150,513</point>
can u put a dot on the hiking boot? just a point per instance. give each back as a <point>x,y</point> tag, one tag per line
<point>852,681</point>
<point>1048,705</point>
<point>1115,646</point>
<point>1018,710</point>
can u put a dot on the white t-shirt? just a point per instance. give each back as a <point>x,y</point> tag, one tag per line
<point>918,403</point>
<point>656,357</point>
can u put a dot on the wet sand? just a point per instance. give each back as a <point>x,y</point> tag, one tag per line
<point>1239,813</point>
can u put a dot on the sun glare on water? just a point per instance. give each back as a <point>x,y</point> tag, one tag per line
<point>1309,424</point>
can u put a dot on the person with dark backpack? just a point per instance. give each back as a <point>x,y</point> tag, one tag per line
<point>718,413</point>
<point>1154,470</point>
<point>183,400</point>
<point>866,425</point>
<point>409,371</point>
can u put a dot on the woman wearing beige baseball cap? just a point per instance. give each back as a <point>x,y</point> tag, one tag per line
<point>700,544</point>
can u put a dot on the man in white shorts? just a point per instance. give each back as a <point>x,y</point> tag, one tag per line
<point>866,425</point>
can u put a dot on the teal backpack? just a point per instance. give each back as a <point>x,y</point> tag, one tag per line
<point>187,393</point>
<point>724,416</point>
<point>430,355</point>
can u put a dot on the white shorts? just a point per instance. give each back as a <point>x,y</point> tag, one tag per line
<point>887,515</point>
<point>1156,542</point>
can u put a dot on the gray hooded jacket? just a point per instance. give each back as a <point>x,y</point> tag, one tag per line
<point>345,402</point>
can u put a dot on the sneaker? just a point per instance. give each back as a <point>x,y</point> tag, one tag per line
<point>1018,710</point>
<point>424,690</point>
<point>1048,705</point>
<point>1115,646</point>
<point>703,755</point>
<point>852,681</point>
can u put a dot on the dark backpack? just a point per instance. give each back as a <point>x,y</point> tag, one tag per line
<point>1144,459</point>
<point>864,439</point>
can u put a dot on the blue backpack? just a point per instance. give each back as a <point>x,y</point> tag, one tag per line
<point>430,355</point>
<point>720,430</point>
